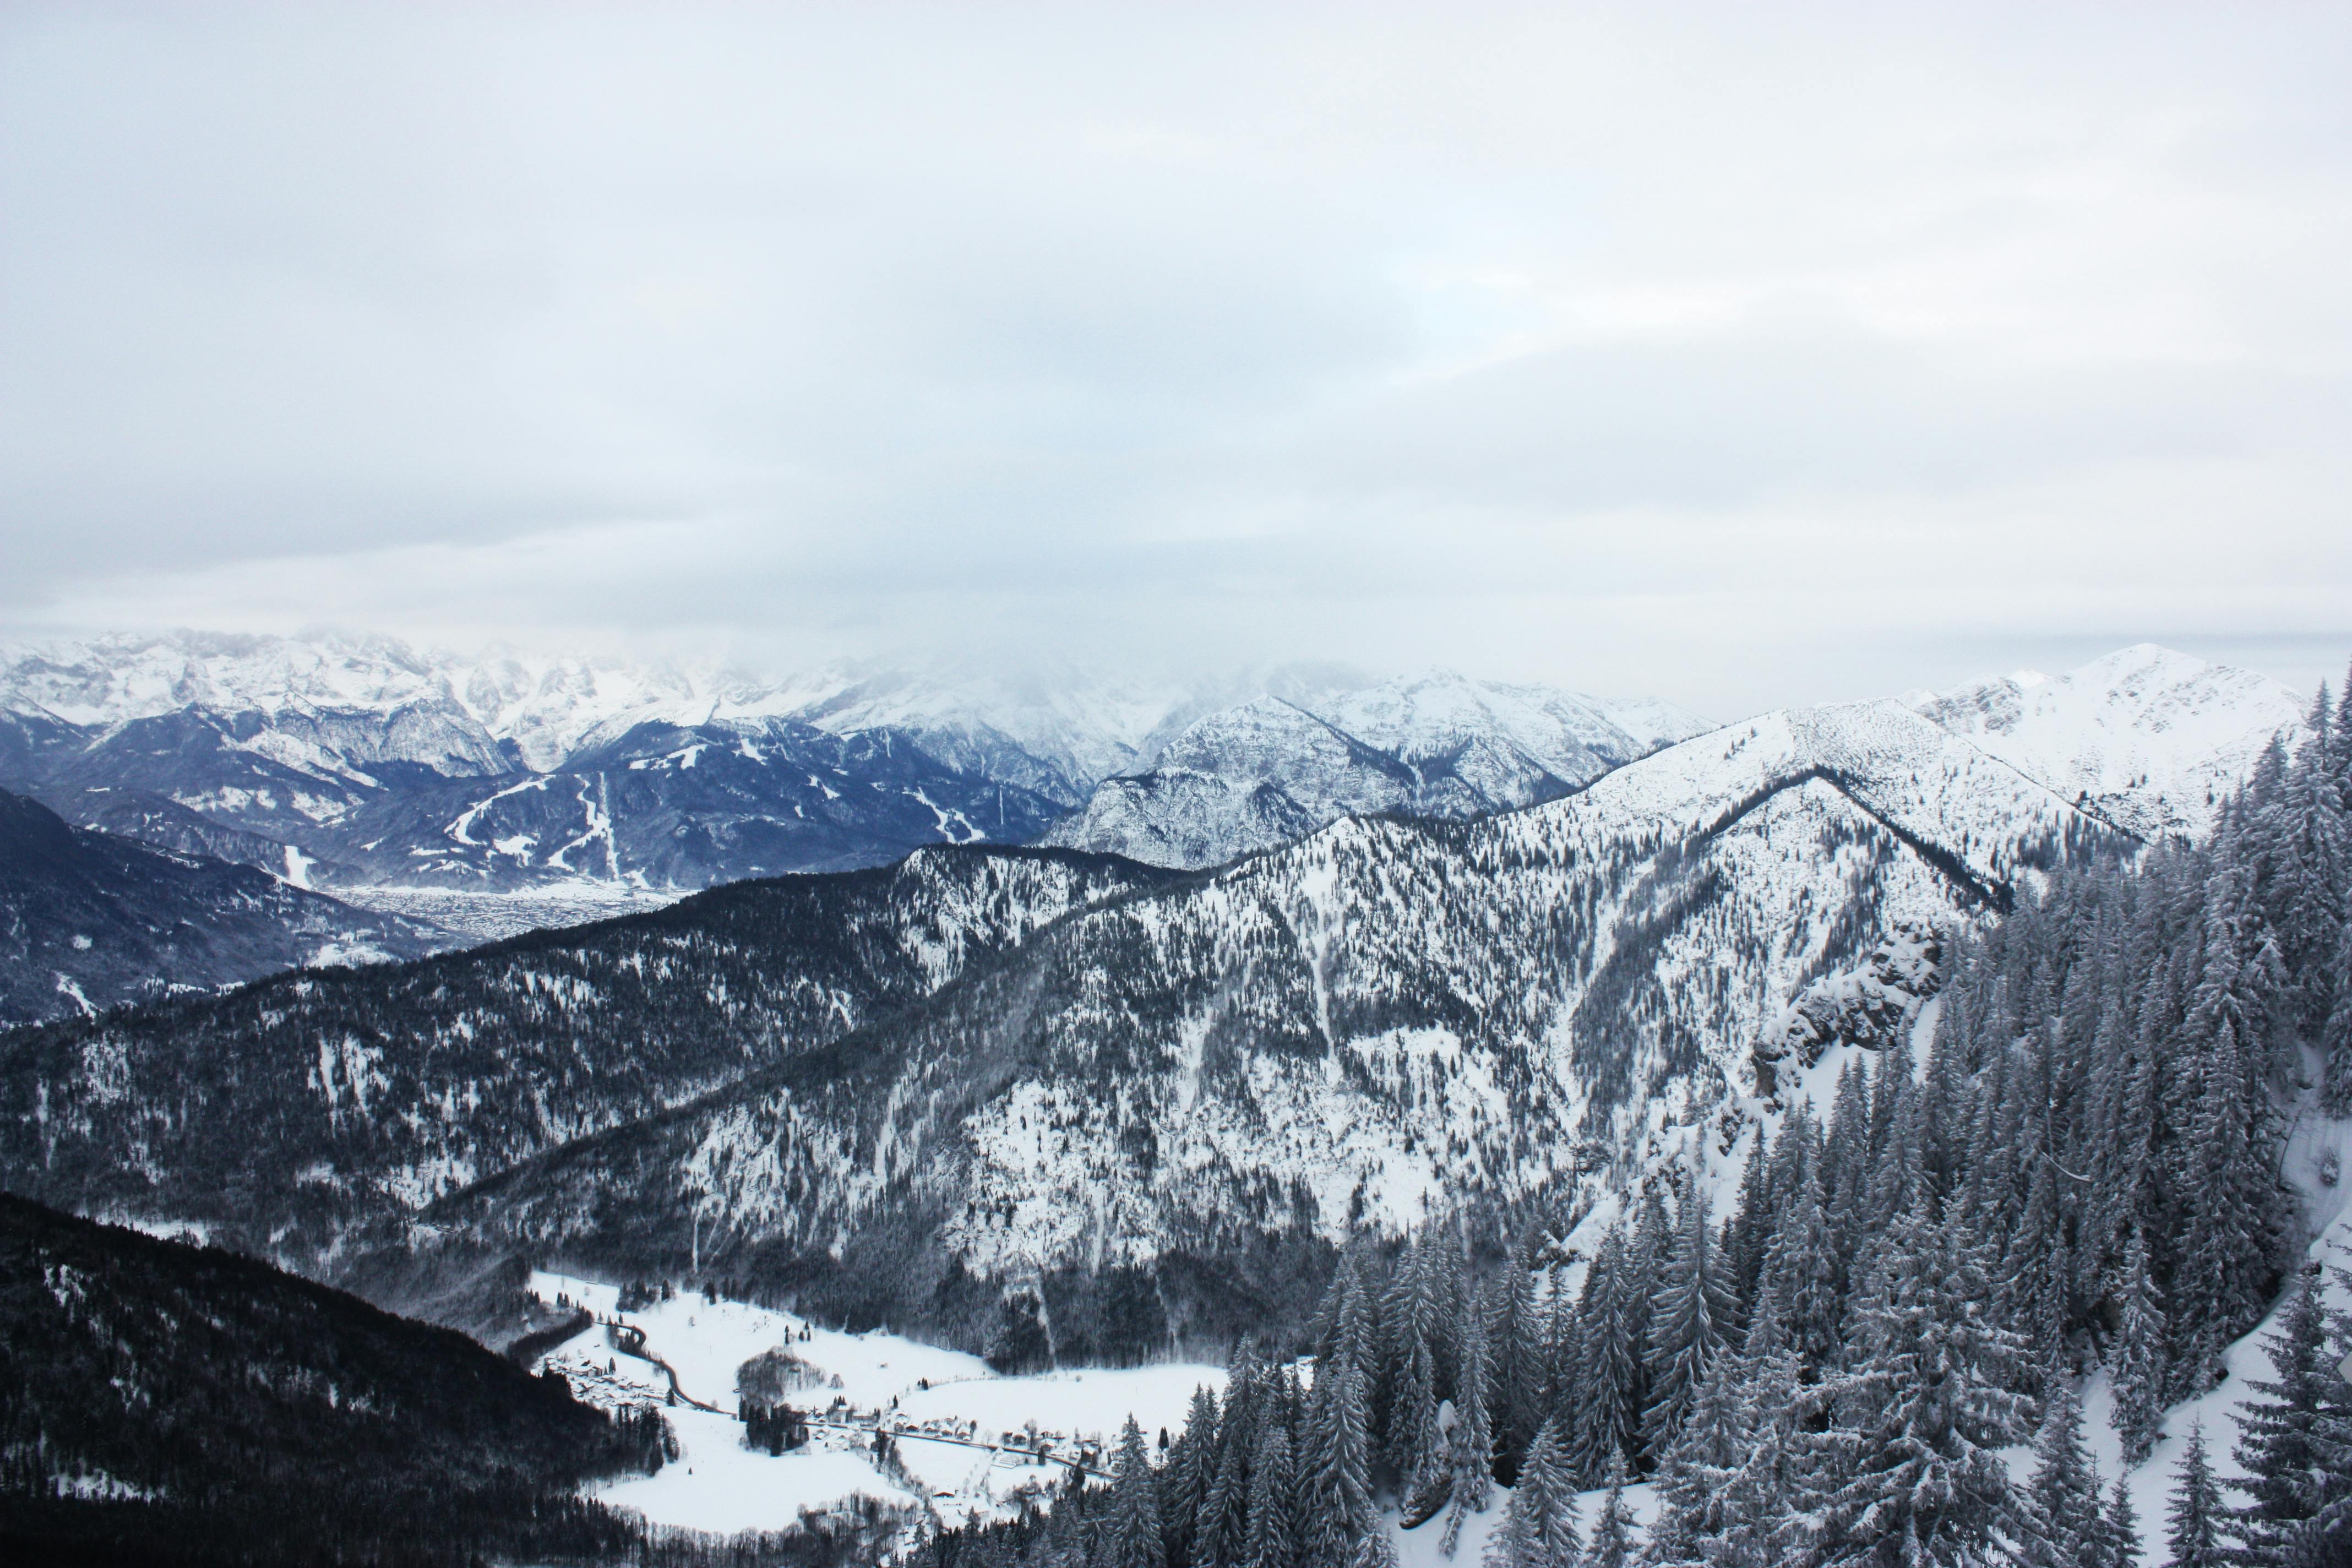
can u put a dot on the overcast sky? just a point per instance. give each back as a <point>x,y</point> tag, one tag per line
<point>1743,355</point>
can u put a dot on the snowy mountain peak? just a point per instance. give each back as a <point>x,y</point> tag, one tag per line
<point>2147,737</point>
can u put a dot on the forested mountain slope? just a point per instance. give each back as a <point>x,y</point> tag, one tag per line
<point>1373,1026</point>
<point>1858,1326</point>
<point>292,1108</point>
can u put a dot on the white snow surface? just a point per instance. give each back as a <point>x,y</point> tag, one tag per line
<point>2149,739</point>
<point>718,1486</point>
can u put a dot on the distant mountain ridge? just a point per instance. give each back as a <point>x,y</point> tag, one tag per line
<point>400,781</point>
<point>357,762</point>
<point>1252,778</point>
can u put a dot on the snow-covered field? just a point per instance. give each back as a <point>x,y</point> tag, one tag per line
<point>482,917</point>
<point>718,1485</point>
<point>958,1471</point>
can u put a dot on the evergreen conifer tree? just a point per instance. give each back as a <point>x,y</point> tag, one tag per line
<point>1910,1465</point>
<point>1802,1269</point>
<point>1132,1532</point>
<point>1688,1318</point>
<point>1605,1394</point>
<point>1335,1477</point>
<point>1612,1533</point>
<point>1538,1528</point>
<point>2060,1525</point>
<point>1470,1455</point>
<point>1273,1539</point>
<point>2138,1369</point>
<point>2281,1435</point>
<point>1223,1534</point>
<point>2336,1035</point>
<point>2121,1528</point>
<point>1188,1475</point>
<point>1515,1346</point>
<point>2194,1517</point>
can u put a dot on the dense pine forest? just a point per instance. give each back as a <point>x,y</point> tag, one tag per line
<point>1819,1365</point>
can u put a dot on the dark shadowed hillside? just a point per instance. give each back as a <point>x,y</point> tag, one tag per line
<point>164,1403</point>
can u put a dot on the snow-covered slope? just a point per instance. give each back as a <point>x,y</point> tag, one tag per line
<point>1267,771</point>
<point>546,707</point>
<point>1056,733</point>
<point>1506,744</point>
<point>2148,739</point>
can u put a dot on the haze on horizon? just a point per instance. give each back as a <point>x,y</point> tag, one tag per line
<point>1732,356</point>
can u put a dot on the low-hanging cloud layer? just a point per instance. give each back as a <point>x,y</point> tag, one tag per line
<point>1743,355</point>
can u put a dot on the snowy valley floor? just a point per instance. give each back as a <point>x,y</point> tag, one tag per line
<point>961,1469</point>
<point>484,917</point>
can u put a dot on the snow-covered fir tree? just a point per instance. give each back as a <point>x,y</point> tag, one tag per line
<point>2194,1515</point>
<point>2060,1524</point>
<point>1538,1527</point>
<point>1131,1532</point>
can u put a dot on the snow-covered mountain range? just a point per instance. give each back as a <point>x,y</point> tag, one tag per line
<point>357,762</point>
<point>989,1090</point>
<point>360,765</point>
<point>1265,773</point>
